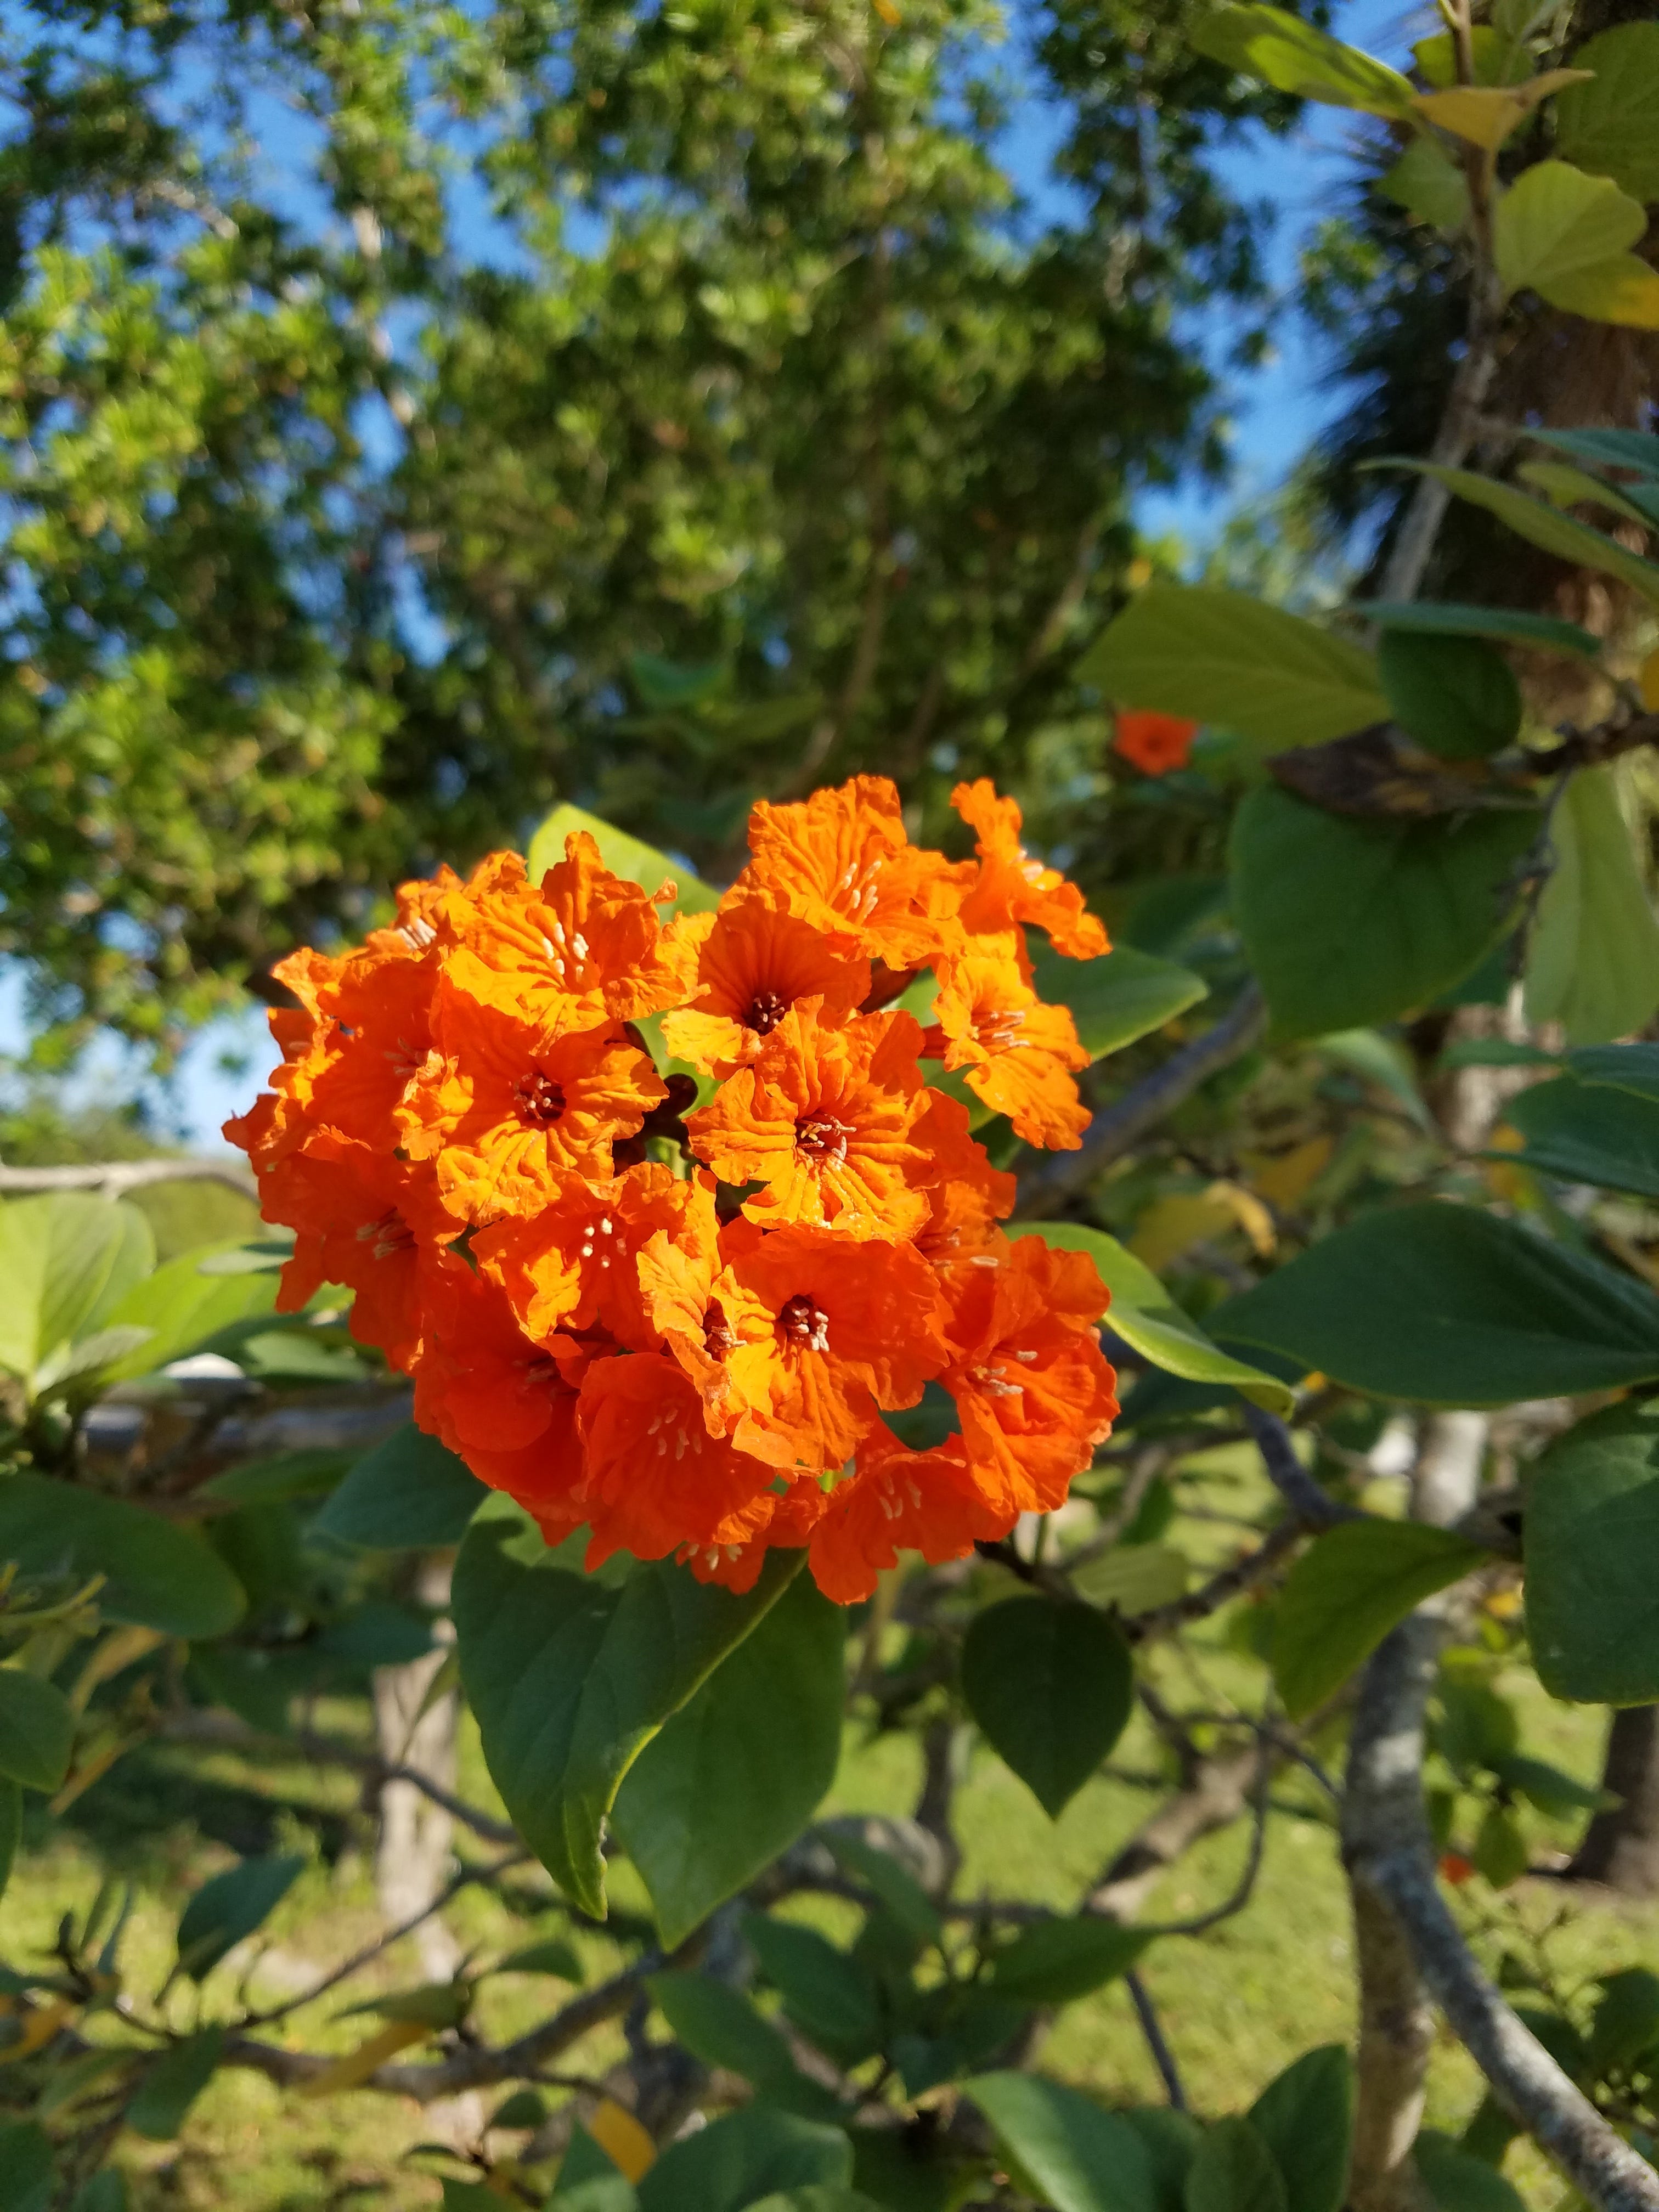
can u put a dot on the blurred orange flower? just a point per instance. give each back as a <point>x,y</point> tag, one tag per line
<point>1155,743</point>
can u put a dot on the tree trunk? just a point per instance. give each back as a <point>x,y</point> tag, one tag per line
<point>1621,1845</point>
<point>412,1861</point>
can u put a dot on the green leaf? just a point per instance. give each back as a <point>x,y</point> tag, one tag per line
<point>1349,922</point>
<point>1592,1534</point>
<point>1346,1591</point>
<point>739,1770</point>
<point>1146,1317</point>
<point>1456,695</point>
<point>1589,1132</point>
<point>184,1308</point>
<point>1544,525</point>
<point>1626,2021</point>
<point>719,2026</point>
<point>749,2154</point>
<point>1633,1067</point>
<point>625,856</point>
<point>1283,51</point>
<point>1458,2182</point>
<point>1636,450</point>
<point>157,1574</point>
<point>825,1992</point>
<point>171,2084</point>
<point>67,1259</point>
<point>1234,2171</point>
<point>28,2168</point>
<point>1501,1855</point>
<point>1221,657</point>
<point>1053,1962</point>
<point>37,1729</point>
<point>896,1888</point>
<point>1135,1578</point>
<point>410,1493</point>
<point>1446,1305</point>
<point>11,1829</point>
<point>1569,486</point>
<point>590,2180</point>
<point>1051,1684</point>
<point>1593,958</point>
<point>1071,2154</point>
<point>1430,186</point>
<point>1548,1787</point>
<point>1451,621</point>
<point>817,2197</point>
<point>1555,220</point>
<point>1122,996</point>
<point>230,1907</point>
<point>1611,125</point>
<point>1622,289</point>
<point>1306,2119</point>
<point>570,1678</point>
<point>1170,2140</point>
<point>273,1481</point>
<point>105,2192</point>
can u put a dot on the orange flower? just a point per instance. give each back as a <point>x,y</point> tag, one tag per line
<point>581,949</point>
<point>366,1219</point>
<point>773,1520</point>
<point>575,1264</point>
<point>970,1196</point>
<point>1012,887</point>
<point>510,1116</point>
<point>825,1118</point>
<point>1014,1049</point>
<point>843,857</point>
<point>656,1479</point>
<point>1155,743</point>
<point>1033,1390</point>
<point>897,1500</point>
<point>679,1285</point>
<point>826,1330</point>
<point>755,959</point>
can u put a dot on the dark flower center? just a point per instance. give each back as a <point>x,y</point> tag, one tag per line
<point>821,1136</point>
<point>766,1010</point>
<point>717,1333</point>
<point>539,1099</point>
<point>802,1320</point>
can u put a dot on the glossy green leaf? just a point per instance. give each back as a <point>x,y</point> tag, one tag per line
<point>1052,1962</point>
<point>1222,657</point>
<point>11,1829</point>
<point>37,1731</point>
<point>1305,2118</point>
<point>746,2155</point>
<point>1589,1133</point>
<point>172,2083</point>
<point>625,856</point>
<point>1051,1684</point>
<point>1123,995</point>
<point>283,1477</point>
<point>1611,125</point>
<point>1555,220</point>
<point>570,1677</point>
<point>590,2180</point>
<point>1170,2140</point>
<point>740,1768</point>
<point>719,2026</point>
<point>1430,186</point>
<point>896,1888</point>
<point>1234,2171</point>
<point>1593,955</point>
<point>1450,1306</point>
<point>1447,620</point>
<point>410,1493</point>
<point>826,1992</point>
<point>1570,486</point>
<point>182,1308</point>
<point>1146,1317</point>
<point>1637,450</point>
<point>229,1907</point>
<point>1626,2021</point>
<point>1546,527</point>
<point>1592,1534</point>
<point>1459,2182</point>
<point>1346,1591</point>
<point>1456,695</point>
<point>67,1259</point>
<point>1633,1067</point>
<point>1283,50</point>
<point>157,1573</point>
<point>1069,2152</point>
<point>1349,922</point>
<point>28,2168</point>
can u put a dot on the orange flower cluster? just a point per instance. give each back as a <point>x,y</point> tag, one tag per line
<point>681,1324</point>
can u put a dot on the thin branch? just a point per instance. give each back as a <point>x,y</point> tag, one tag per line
<point>1048,1181</point>
<point>1163,2056</point>
<point>1314,1507</point>
<point>112,1177</point>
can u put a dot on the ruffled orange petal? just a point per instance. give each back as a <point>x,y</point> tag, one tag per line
<point>1015,1051</point>
<point>656,1479</point>
<point>1012,887</point>
<point>756,960</point>
<point>844,857</point>
<point>575,1264</point>
<point>895,1500</point>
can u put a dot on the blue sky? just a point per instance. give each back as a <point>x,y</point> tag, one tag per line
<point>1275,411</point>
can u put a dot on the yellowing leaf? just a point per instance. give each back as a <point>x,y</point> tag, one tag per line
<point>1565,486</point>
<point>357,2065</point>
<point>622,2139</point>
<point>1283,1177</point>
<point>1485,114</point>
<point>1622,289</point>
<point>40,2024</point>
<point>1173,1225</point>
<point>1555,219</point>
